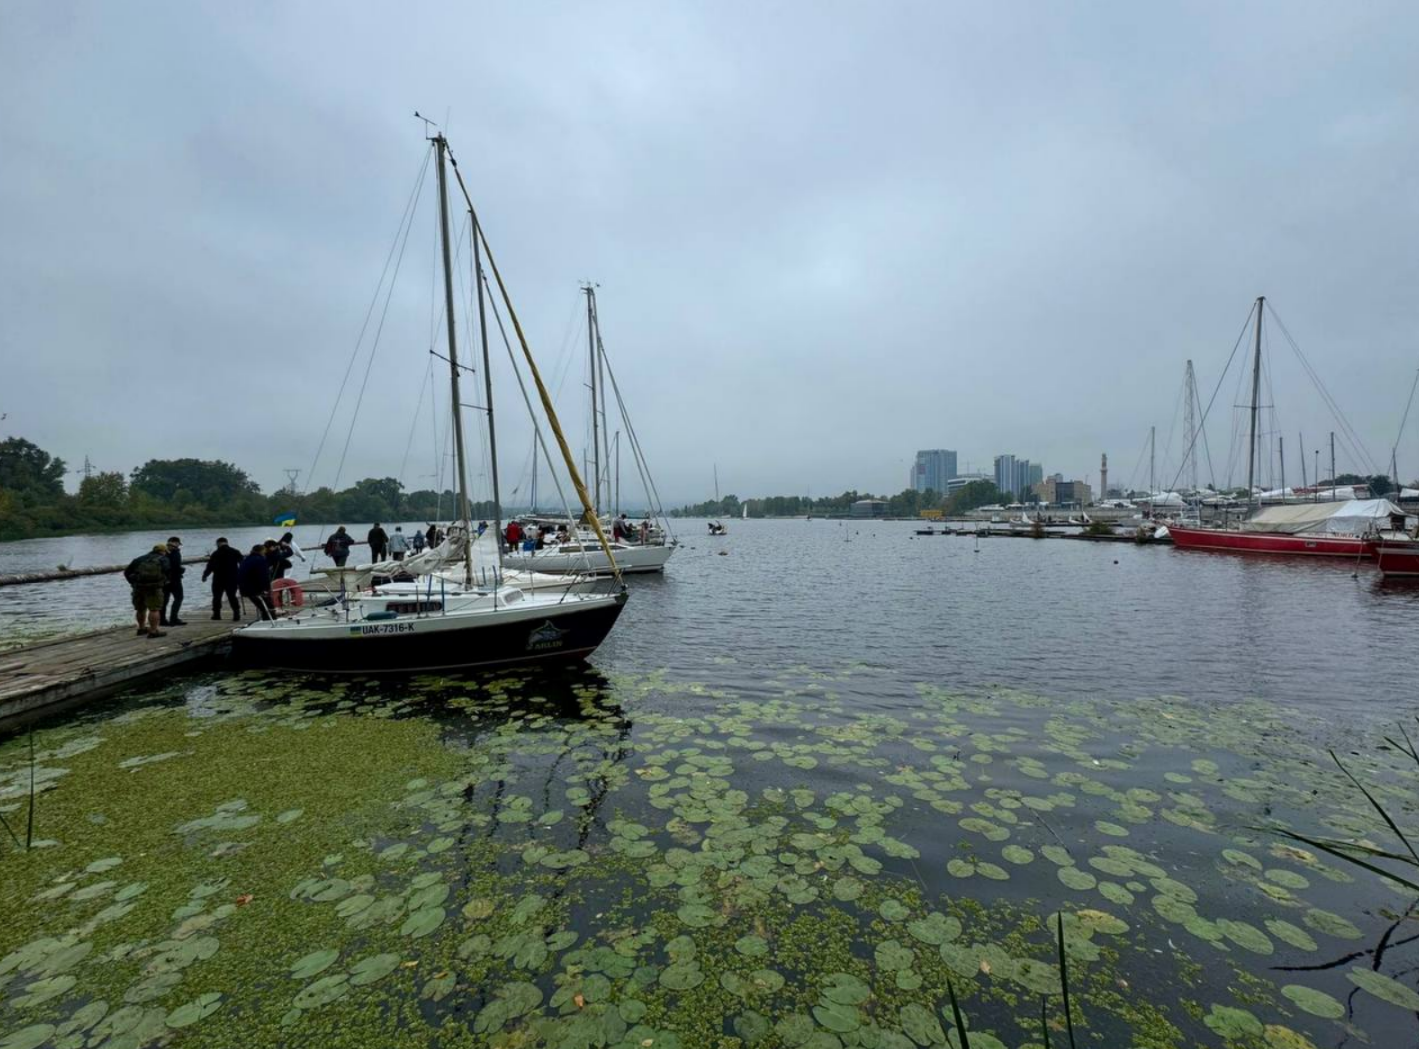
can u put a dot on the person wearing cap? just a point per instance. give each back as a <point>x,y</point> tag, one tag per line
<point>172,590</point>
<point>146,575</point>
<point>222,568</point>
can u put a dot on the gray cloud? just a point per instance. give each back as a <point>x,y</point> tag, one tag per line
<point>827,234</point>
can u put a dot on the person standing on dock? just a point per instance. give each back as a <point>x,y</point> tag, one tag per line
<point>379,543</point>
<point>338,546</point>
<point>222,567</point>
<point>254,581</point>
<point>172,591</point>
<point>147,575</point>
<point>398,544</point>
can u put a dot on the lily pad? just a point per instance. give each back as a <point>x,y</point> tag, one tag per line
<point>1317,1003</point>
<point>199,1008</point>
<point>314,963</point>
<point>1385,988</point>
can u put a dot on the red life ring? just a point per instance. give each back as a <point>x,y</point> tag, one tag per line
<point>287,591</point>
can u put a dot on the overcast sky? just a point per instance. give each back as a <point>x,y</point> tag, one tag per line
<point>826,234</point>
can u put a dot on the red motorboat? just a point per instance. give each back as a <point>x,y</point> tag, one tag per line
<point>1398,555</point>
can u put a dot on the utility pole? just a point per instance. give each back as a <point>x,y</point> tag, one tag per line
<point>292,473</point>
<point>1255,402</point>
<point>88,468</point>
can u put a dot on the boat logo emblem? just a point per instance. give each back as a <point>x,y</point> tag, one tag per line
<point>548,635</point>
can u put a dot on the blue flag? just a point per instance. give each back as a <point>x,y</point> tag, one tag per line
<point>285,521</point>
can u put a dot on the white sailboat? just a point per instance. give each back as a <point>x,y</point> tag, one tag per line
<point>583,550</point>
<point>435,622</point>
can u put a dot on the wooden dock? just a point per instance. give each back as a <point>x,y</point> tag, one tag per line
<point>48,674</point>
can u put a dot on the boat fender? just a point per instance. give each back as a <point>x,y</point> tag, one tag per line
<point>286,592</point>
<point>375,616</point>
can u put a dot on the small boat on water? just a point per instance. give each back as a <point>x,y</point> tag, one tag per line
<point>441,620</point>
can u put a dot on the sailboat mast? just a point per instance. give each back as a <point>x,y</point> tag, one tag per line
<point>595,425</point>
<point>487,390</point>
<point>1152,465</point>
<point>601,385</point>
<point>1255,401</point>
<point>441,145</point>
<point>534,475</point>
<point>1332,466</point>
<point>1301,444</point>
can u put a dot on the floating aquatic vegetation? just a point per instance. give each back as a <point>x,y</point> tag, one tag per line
<point>583,862</point>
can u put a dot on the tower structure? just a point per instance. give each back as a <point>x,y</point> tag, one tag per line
<point>1104,475</point>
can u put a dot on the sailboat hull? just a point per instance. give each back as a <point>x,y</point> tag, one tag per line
<point>417,645</point>
<point>1239,542</point>
<point>593,561</point>
<point>1398,558</point>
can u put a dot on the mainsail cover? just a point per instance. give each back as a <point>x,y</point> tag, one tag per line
<point>1353,517</point>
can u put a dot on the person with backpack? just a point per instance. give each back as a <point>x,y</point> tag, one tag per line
<point>418,541</point>
<point>147,575</point>
<point>222,567</point>
<point>254,581</point>
<point>172,589</point>
<point>337,547</point>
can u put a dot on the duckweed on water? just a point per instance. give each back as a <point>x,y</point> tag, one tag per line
<point>641,862</point>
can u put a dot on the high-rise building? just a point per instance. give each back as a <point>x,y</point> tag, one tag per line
<point>933,468</point>
<point>1016,477</point>
<point>1005,474</point>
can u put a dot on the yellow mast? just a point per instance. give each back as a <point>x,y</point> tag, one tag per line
<point>537,378</point>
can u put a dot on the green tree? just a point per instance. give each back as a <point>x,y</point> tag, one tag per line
<point>973,495</point>
<point>30,471</point>
<point>210,483</point>
<point>105,491</point>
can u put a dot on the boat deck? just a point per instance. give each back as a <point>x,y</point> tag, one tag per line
<point>48,674</point>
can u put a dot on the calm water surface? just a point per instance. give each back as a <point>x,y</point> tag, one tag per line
<point>818,770</point>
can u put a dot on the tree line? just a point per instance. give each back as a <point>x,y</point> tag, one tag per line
<point>906,503</point>
<point>173,493</point>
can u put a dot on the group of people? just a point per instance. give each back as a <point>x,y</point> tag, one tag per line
<point>532,536</point>
<point>382,544</point>
<point>155,579</point>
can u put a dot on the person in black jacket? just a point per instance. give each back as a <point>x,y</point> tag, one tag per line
<point>379,543</point>
<point>254,581</point>
<point>147,576</point>
<point>222,568</point>
<point>172,590</point>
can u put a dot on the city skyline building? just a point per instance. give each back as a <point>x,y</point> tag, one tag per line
<point>933,468</point>
<point>1016,477</point>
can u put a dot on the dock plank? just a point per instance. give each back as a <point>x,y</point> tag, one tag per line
<point>62,670</point>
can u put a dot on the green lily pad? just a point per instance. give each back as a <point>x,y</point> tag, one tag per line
<point>1385,988</point>
<point>1317,1003</point>
<point>846,989</point>
<point>422,922</point>
<point>1230,1022</point>
<point>323,991</point>
<point>375,967</point>
<point>314,963</point>
<point>1331,924</point>
<point>27,1037</point>
<point>199,1008</point>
